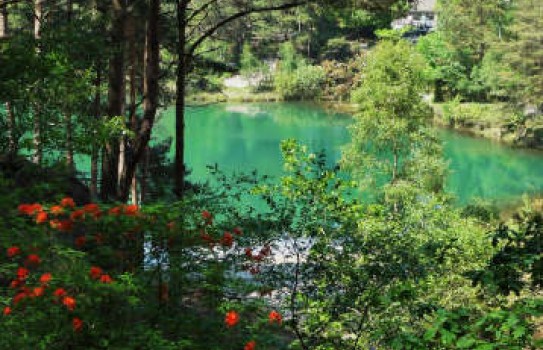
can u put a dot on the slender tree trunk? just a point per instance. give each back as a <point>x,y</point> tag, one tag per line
<point>116,97</point>
<point>144,175</point>
<point>132,94</point>
<point>182,69</point>
<point>69,142</point>
<point>38,17</point>
<point>69,10</point>
<point>95,147</point>
<point>36,139</point>
<point>150,102</point>
<point>12,137</point>
<point>4,23</point>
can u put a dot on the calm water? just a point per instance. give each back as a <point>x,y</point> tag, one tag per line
<point>239,137</point>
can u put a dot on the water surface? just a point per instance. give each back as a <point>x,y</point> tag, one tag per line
<point>240,137</point>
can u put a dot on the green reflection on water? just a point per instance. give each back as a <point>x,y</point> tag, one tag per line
<point>243,137</point>
<point>246,136</point>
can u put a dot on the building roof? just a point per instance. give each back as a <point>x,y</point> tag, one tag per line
<point>425,5</point>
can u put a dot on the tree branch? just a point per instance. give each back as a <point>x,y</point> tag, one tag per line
<point>201,9</point>
<point>243,13</point>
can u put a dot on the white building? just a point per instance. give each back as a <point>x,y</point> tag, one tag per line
<point>422,16</point>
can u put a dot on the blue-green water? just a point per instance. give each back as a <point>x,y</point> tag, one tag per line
<point>241,137</point>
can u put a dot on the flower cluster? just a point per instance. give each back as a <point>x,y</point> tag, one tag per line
<point>28,284</point>
<point>232,318</point>
<point>62,217</point>
<point>226,240</point>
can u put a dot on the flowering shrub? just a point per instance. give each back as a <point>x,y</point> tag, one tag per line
<point>82,279</point>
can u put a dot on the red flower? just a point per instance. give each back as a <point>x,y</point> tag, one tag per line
<point>38,291</point>
<point>12,251</point>
<point>207,238</point>
<point>77,215</point>
<point>275,316</point>
<point>29,209</point>
<point>67,202</point>
<point>18,297</point>
<point>7,311</point>
<point>69,302</point>
<point>208,218</point>
<point>56,210</point>
<point>237,231</point>
<point>59,292</point>
<point>131,210</point>
<point>22,273</point>
<point>64,225</point>
<point>266,250</point>
<point>249,252</point>
<point>95,272</point>
<point>231,319</point>
<point>33,260</point>
<point>91,208</point>
<point>250,345</point>
<point>80,241</point>
<point>254,270</point>
<point>227,239</point>
<point>106,279</point>
<point>45,278</point>
<point>15,283</point>
<point>115,211</point>
<point>77,324</point>
<point>41,217</point>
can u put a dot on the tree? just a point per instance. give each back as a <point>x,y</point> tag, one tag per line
<point>469,29</point>
<point>198,21</point>
<point>391,142</point>
<point>523,53</point>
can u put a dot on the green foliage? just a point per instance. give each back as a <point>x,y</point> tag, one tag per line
<point>338,49</point>
<point>390,136</point>
<point>249,62</point>
<point>304,83</point>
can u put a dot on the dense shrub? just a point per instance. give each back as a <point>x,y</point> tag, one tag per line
<point>304,83</point>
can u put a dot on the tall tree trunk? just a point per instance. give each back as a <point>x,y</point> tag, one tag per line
<point>69,142</point>
<point>12,137</point>
<point>36,139</point>
<point>38,17</point>
<point>37,157</point>
<point>182,69</point>
<point>95,146</point>
<point>144,175</point>
<point>150,102</point>
<point>4,23</point>
<point>132,95</point>
<point>116,97</point>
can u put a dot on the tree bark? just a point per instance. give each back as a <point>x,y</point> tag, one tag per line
<point>132,95</point>
<point>95,147</point>
<point>182,70</point>
<point>12,137</point>
<point>36,120</point>
<point>4,23</point>
<point>38,17</point>
<point>116,97</point>
<point>69,143</point>
<point>150,102</point>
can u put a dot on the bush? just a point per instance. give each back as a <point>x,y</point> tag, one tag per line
<point>337,49</point>
<point>304,83</point>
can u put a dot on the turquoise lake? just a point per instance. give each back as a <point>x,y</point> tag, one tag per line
<point>241,137</point>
